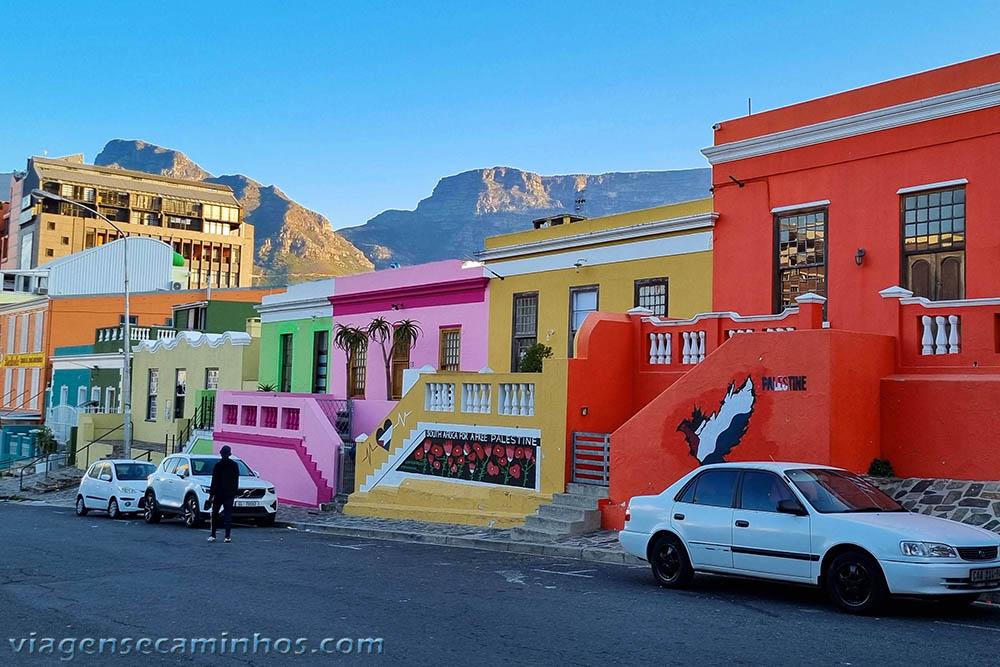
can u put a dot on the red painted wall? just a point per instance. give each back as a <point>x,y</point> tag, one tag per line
<point>833,421</point>
<point>860,177</point>
<point>960,76</point>
<point>942,425</point>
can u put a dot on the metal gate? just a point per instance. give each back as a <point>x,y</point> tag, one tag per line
<point>61,419</point>
<point>591,463</point>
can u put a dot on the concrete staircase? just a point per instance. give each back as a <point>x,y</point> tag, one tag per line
<point>570,513</point>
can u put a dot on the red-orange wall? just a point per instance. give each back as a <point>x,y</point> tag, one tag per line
<point>941,425</point>
<point>960,76</point>
<point>860,176</point>
<point>834,421</point>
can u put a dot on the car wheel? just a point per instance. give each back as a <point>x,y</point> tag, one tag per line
<point>267,520</point>
<point>855,583</point>
<point>151,512</point>
<point>192,517</point>
<point>670,563</point>
<point>81,509</point>
<point>113,511</point>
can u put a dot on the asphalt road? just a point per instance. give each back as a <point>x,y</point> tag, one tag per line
<point>67,577</point>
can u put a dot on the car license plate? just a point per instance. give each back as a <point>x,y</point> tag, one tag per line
<point>985,574</point>
<point>246,503</point>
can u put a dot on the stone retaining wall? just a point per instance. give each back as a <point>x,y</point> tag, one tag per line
<point>974,503</point>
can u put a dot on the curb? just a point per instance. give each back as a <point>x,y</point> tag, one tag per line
<point>592,554</point>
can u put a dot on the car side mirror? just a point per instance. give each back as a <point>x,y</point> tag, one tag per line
<point>789,506</point>
<point>182,474</point>
<point>105,477</point>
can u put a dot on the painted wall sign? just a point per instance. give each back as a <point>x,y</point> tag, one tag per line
<point>783,383</point>
<point>710,438</point>
<point>466,454</point>
<point>30,360</point>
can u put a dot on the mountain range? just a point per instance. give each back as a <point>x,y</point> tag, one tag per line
<point>295,244</point>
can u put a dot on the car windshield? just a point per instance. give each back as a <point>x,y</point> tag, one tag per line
<point>838,491</point>
<point>134,471</point>
<point>206,466</point>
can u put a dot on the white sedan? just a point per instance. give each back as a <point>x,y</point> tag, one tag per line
<point>116,486</point>
<point>807,524</point>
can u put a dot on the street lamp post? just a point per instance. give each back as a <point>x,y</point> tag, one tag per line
<point>127,360</point>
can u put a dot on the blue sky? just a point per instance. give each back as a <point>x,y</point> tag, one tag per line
<point>353,108</point>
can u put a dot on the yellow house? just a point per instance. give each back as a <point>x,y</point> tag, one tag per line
<point>547,279</point>
<point>491,448</point>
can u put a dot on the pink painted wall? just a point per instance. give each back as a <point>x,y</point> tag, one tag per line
<point>281,467</point>
<point>446,295</point>
<point>315,439</point>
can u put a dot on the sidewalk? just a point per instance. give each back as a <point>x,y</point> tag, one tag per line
<point>601,546</point>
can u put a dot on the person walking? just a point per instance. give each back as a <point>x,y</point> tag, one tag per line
<point>222,493</point>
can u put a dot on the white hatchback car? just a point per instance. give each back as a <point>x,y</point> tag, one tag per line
<point>807,524</point>
<point>116,486</point>
<point>180,485</point>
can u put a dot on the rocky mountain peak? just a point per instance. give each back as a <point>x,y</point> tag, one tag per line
<point>293,244</point>
<point>141,156</point>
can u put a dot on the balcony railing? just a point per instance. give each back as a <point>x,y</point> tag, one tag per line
<point>512,398</point>
<point>680,343</point>
<point>961,334</point>
<point>137,333</point>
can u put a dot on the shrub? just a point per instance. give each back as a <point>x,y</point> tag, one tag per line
<point>881,468</point>
<point>268,387</point>
<point>531,362</point>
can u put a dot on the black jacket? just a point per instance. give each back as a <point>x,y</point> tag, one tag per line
<point>225,478</point>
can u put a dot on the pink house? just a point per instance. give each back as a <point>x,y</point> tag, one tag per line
<point>296,440</point>
<point>290,439</point>
<point>450,302</point>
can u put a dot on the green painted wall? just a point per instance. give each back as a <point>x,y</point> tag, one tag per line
<point>220,316</point>
<point>302,332</point>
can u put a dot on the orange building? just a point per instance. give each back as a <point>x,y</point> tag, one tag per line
<point>855,234</point>
<point>31,330</point>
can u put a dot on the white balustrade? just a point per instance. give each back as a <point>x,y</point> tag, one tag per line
<point>694,347</point>
<point>516,398</point>
<point>733,332</point>
<point>166,333</point>
<point>659,348</point>
<point>941,334</point>
<point>779,329</point>
<point>440,397</point>
<point>476,397</point>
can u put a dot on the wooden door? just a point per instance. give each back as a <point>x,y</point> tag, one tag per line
<point>400,362</point>
<point>938,276</point>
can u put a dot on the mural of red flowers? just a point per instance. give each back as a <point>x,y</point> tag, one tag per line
<point>475,460</point>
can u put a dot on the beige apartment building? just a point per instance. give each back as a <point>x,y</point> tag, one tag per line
<point>202,221</point>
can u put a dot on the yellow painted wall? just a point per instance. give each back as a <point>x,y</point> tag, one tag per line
<point>689,293</point>
<point>431,499</point>
<point>627,219</point>
<point>233,361</point>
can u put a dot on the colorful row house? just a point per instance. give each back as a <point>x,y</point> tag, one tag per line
<point>855,233</point>
<point>852,233</point>
<point>320,391</point>
<point>490,448</point>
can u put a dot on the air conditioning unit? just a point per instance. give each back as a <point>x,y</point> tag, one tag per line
<point>176,286</point>
<point>42,290</point>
